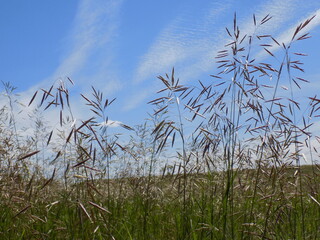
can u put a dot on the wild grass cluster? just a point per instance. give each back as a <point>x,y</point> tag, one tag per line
<point>216,159</point>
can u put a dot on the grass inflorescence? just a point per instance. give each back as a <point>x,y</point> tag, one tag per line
<point>215,160</point>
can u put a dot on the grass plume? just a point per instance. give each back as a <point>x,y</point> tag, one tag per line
<point>219,159</point>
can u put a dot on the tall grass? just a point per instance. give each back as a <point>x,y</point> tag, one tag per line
<point>237,142</point>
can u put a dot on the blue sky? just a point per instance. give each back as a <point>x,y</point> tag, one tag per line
<point>121,46</point>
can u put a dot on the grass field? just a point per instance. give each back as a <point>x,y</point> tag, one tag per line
<point>238,143</point>
<point>143,208</point>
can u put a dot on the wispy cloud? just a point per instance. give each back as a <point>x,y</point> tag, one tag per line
<point>138,98</point>
<point>111,123</point>
<point>286,35</point>
<point>88,54</point>
<point>183,41</point>
<point>91,42</point>
<point>191,46</point>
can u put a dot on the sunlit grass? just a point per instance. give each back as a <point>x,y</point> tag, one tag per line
<point>236,174</point>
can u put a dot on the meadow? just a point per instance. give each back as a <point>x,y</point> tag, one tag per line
<point>220,159</point>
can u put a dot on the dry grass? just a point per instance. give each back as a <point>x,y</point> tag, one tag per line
<point>239,140</point>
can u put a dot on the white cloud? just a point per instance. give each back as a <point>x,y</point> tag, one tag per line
<point>111,123</point>
<point>95,25</point>
<point>138,98</point>
<point>88,55</point>
<point>180,42</point>
<point>191,46</point>
<point>286,35</point>
<point>87,59</point>
<point>195,44</point>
